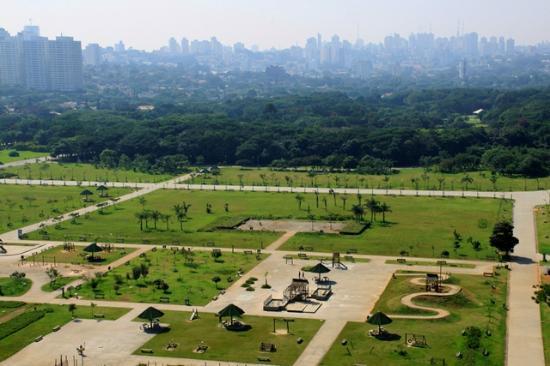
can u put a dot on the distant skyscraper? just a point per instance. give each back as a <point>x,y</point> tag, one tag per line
<point>184,46</point>
<point>462,69</point>
<point>92,54</point>
<point>120,47</point>
<point>35,62</point>
<point>65,64</point>
<point>510,46</point>
<point>10,71</point>
<point>173,46</point>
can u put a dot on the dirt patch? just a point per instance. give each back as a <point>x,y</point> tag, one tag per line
<point>299,226</point>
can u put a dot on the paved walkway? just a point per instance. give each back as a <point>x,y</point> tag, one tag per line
<point>321,343</point>
<point>524,341</point>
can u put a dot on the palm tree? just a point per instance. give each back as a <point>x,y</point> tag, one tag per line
<point>344,198</point>
<point>317,198</point>
<point>384,207</point>
<point>441,180</point>
<point>358,212</point>
<point>166,219</point>
<point>359,198</point>
<point>142,201</point>
<point>141,216</point>
<point>493,180</point>
<point>156,216</point>
<point>372,205</point>
<point>299,198</point>
<point>466,180</point>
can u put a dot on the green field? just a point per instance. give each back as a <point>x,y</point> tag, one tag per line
<point>472,307</point>
<point>407,178</point>
<point>60,254</point>
<point>223,345</point>
<point>23,155</point>
<point>419,227</point>
<point>542,215</point>
<point>54,315</point>
<point>189,276</point>
<point>414,225</point>
<point>10,286</point>
<point>83,172</point>
<point>22,205</point>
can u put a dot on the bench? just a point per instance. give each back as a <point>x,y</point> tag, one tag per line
<point>302,256</point>
<point>39,338</point>
<point>308,249</point>
<point>146,350</point>
<point>488,274</point>
<point>264,359</point>
<point>99,316</point>
<point>99,296</point>
<point>56,328</point>
<point>165,299</point>
<point>401,260</point>
<point>248,252</point>
<point>351,251</point>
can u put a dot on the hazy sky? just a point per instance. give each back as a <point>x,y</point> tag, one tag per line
<point>147,24</point>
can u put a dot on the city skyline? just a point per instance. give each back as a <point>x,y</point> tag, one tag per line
<point>278,25</point>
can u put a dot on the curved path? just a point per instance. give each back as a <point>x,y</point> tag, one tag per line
<point>439,313</point>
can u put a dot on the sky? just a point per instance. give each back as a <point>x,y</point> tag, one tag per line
<point>147,24</point>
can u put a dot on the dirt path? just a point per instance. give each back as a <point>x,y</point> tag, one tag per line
<point>439,313</point>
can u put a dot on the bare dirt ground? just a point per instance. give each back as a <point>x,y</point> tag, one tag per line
<point>299,226</point>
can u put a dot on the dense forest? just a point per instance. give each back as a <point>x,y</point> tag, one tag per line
<point>372,132</point>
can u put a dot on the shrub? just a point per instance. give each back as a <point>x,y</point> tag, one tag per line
<point>19,322</point>
<point>473,337</point>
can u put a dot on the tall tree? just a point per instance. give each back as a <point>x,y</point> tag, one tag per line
<point>503,238</point>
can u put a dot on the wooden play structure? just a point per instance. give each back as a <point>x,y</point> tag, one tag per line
<point>433,282</point>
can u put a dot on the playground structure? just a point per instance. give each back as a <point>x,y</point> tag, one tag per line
<point>337,263</point>
<point>297,298</point>
<point>434,287</point>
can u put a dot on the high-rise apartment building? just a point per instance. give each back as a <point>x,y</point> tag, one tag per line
<point>36,63</point>
<point>92,54</point>
<point>65,64</point>
<point>10,68</point>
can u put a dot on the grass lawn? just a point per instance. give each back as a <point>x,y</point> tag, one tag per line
<point>54,315</point>
<point>402,180</point>
<point>23,155</point>
<point>223,345</point>
<point>60,254</point>
<point>419,226</point>
<point>417,222</point>
<point>59,282</point>
<point>83,172</point>
<point>188,277</point>
<point>22,205</point>
<point>10,286</point>
<point>472,307</point>
<point>542,214</point>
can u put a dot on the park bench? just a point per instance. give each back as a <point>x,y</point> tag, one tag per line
<point>187,302</point>
<point>56,328</point>
<point>302,256</point>
<point>308,249</point>
<point>39,338</point>
<point>99,296</point>
<point>488,274</point>
<point>248,252</point>
<point>99,316</point>
<point>351,251</point>
<point>146,350</point>
<point>401,260</point>
<point>264,359</point>
<point>164,299</point>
